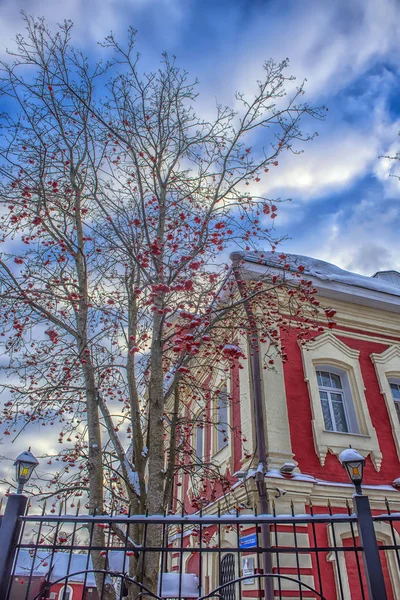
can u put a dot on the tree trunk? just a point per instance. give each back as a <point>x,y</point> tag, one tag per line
<point>156,463</point>
<point>95,461</point>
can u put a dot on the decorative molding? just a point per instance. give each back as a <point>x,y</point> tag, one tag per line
<point>387,364</point>
<point>329,338</point>
<point>327,349</point>
<point>393,352</point>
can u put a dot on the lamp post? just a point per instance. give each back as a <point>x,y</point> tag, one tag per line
<point>11,522</point>
<point>24,465</point>
<point>354,464</point>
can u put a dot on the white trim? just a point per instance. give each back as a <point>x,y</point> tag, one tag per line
<point>324,350</point>
<point>387,367</point>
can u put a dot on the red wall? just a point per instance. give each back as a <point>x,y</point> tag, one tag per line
<point>235,443</point>
<point>299,410</point>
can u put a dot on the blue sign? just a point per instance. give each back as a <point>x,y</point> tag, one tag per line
<point>248,541</point>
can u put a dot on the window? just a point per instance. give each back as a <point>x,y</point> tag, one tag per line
<point>65,593</point>
<point>332,400</point>
<point>199,443</point>
<point>222,420</point>
<point>336,400</point>
<point>395,388</point>
<point>339,409</point>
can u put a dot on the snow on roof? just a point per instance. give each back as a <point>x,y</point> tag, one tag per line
<point>323,270</point>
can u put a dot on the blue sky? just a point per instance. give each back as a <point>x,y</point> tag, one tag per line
<point>345,206</point>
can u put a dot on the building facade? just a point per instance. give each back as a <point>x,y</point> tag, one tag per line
<point>340,389</point>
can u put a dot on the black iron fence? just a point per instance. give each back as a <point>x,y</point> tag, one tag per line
<point>320,554</point>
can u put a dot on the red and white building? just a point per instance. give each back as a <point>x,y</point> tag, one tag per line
<point>340,389</point>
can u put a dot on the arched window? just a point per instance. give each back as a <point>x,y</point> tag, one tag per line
<point>227,574</point>
<point>66,593</point>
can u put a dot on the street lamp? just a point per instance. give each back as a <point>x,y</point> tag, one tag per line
<point>354,463</point>
<point>11,522</point>
<point>24,465</point>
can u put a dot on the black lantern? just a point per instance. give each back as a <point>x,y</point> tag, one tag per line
<point>354,463</point>
<point>24,464</point>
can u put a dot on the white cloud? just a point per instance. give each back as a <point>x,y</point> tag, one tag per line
<point>330,44</point>
<point>93,19</point>
<point>327,165</point>
<point>332,162</point>
<point>360,237</point>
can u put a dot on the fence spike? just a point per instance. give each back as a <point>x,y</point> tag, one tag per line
<point>387,505</point>
<point>348,506</point>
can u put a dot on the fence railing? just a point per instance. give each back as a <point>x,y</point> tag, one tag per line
<point>80,557</point>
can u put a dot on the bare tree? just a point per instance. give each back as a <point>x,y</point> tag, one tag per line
<point>119,205</point>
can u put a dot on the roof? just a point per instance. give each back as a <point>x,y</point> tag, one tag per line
<point>323,270</point>
<point>330,280</point>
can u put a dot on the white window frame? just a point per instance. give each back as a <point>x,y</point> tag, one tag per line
<point>327,352</point>
<point>345,392</point>
<point>69,589</point>
<point>387,369</point>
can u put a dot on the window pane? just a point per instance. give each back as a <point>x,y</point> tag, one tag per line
<point>397,406</point>
<point>222,427</point>
<point>339,414</point>
<point>336,383</point>
<point>325,411</point>
<point>324,379</point>
<point>199,444</point>
<point>395,390</point>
